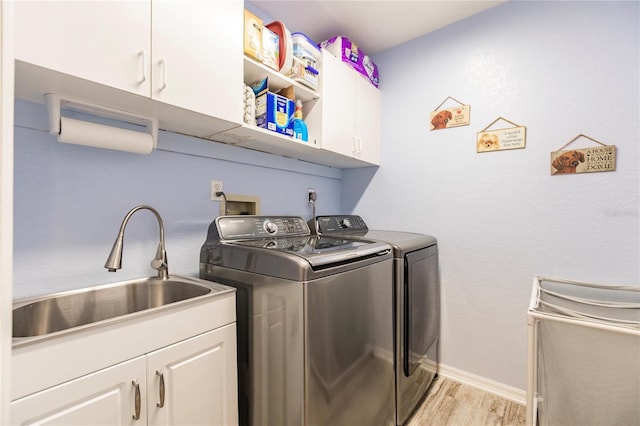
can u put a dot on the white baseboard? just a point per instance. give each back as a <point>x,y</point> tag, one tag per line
<point>512,394</point>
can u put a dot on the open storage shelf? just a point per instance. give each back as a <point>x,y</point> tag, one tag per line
<point>254,71</point>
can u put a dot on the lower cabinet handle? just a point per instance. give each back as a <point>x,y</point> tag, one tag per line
<point>138,400</point>
<point>161,403</point>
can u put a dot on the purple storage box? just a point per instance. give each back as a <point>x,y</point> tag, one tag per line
<point>343,48</point>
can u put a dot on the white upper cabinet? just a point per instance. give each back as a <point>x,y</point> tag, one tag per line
<point>107,42</point>
<point>182,62</point>
<point>185,54</point>
<point>350,112</point>
<point>197,61</point>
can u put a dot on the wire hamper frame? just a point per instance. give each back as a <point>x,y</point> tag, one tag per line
<point>583,353</point>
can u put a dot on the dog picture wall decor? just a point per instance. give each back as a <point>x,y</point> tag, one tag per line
<point>501,139</point>
<point>585,160</point>
<point>450,117</point>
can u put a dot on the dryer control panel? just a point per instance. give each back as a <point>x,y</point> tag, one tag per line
<point>340,224</point>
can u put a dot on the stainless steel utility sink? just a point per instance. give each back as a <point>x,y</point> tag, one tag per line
<point>69,310</point>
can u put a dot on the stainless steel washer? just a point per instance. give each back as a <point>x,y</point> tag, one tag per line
<point>314,321</point>
<point>417,305</point>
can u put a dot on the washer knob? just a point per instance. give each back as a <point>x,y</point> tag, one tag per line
<point>345,223</point>
<point>270,227</point>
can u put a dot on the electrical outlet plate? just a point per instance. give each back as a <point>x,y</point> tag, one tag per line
<point>216,186</point>
<point>311,195</point>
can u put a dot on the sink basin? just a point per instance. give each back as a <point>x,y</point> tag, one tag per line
<point>69,310</point>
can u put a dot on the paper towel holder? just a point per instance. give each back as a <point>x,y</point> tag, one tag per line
<point>56,102</point>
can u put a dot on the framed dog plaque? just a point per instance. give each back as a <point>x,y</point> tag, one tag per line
<point>450,117</point>
<point>501,139</point>
<point>583,160</point>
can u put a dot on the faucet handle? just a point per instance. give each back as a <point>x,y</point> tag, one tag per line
<point>160,263</point>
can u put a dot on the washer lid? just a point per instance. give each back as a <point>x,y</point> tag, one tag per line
<point>317,251</point>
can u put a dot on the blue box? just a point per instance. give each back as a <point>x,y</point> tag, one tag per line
<point>275,112</point>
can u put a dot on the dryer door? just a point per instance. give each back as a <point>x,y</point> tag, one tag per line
<point>422,302</point>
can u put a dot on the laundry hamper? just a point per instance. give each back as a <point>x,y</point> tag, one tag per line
<point>584,354</point>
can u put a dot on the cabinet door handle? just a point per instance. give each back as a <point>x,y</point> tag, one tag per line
<point>143,57</point>
<point>163,63</point>
<point>161,389</point>
<point>357,145</point>
<point>138,400</point>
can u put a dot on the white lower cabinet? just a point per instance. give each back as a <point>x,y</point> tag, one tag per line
<point>192,382</point>
<point>106,397</point>
<point>199,378</point>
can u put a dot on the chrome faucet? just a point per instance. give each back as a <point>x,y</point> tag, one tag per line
<point>159,263</point>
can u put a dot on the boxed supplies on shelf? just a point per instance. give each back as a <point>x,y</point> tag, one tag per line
<point>348,52</point>
<point>252,35</point>
<point>303,73</point>
<point>270,49</point>
<point>306,61</point>
<point>304,48</point>
<point>273,111</point>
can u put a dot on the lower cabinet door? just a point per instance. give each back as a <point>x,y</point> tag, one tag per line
<point>194,382</point>
<point>113,396</point>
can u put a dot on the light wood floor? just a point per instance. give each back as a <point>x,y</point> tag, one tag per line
<point>449,403</point>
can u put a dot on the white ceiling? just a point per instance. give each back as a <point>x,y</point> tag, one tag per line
<point>374,25</point>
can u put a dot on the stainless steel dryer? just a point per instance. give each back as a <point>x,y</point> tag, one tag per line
<point>417,305</point>
<point>314,321</point>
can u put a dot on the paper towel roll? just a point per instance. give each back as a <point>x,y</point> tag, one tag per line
<point>100,136</point>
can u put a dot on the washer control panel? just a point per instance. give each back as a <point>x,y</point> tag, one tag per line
<point>340,224</point>
<point>254,227</point>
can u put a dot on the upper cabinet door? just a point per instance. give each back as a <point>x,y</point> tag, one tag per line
<point>106,42</point>
<point>339,105</point>
<point>197,62</point>
<point>368,118</point>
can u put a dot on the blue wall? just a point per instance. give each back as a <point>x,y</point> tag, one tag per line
<point>558,68</point>
<point>70,201</point>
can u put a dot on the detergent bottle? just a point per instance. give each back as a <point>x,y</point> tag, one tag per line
<point>299,126</point>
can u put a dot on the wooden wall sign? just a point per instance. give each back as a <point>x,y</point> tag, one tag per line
<point>501,139</point>
<point>450,117</point>
<point>584,160</point>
